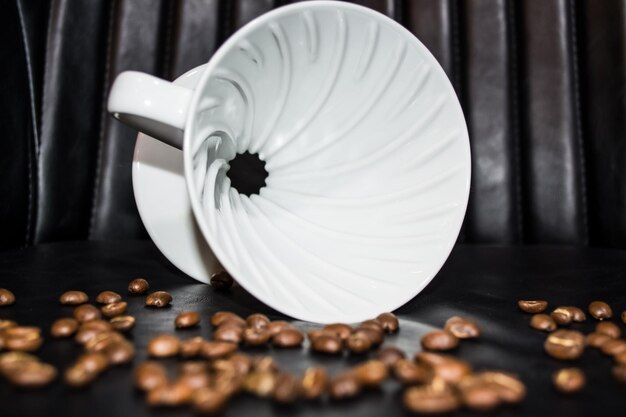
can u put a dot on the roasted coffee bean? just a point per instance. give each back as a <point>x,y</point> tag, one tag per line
<point>86,312</point>
<point>389,355</point>
<point>6,297</point>
<point>114,309</point>
<point>439,340</point>
<point>138,286</point>
<point>531,306</point>
<point>596,340</point>
<point>509,387</point>
<point>89,330</point>
<point>287,389</point>
<point>163,346</point>
<point>108,297</point>
<point>371,324</point>
<point>261,384</point>
<point>577,314</point>
<point>614,347</point>
<point>389,322</point>
<point>480,397</point>
<point>600,310</point>
<point>447,368</point>
<point>276,326</point>
<point>221,317</point>
<point>264,364</point>
<point>194,380</point>
<point>64,327</point>
<point>93,362</point>
<point>620,358</point>
<point>120,353</point>
<point>314,383</point>
<point>327,343</point>
<point>623,316</point>
<point>371,373</point>
<point>149,375</point>
<point>9,360</point>
<point>609,329</point>
<point>101,341</point>
<point>22,338</point>
<point>169,395</point>
<point>358,343</point>
<point>209,400</point>
<point>257,321</point>
<point>619,373</point>
<point>568,380</point>
<point>191,348</point>
<point>256,336</point>
<point>216,350</point>
<point>341,330</point>
<point>73,298</point>
<point>565,344</point>
<point>344,386</point>
<point>288,338</point>
<point>410,373</point>
<point>228,383</point>
<point>30,374</point>
<point>313,333</point>
<point>434,398</point>
<point>462,328</point>
<point>543,322</point>
<point>187,319</point>
<point>240,363</point>
<point>222,281</point>
<point>6,324</point>
<point>123,323</point>
<point>193,367</point>
<point>229,332</point>
<point>78,376</point>
<point>562,316</point>
<point>375,336</point>
<point>158,299</point>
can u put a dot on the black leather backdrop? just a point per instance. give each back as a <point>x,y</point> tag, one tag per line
<point>543,84</point>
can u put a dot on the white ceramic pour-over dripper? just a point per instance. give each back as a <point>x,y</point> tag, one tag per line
<point>365,145</point>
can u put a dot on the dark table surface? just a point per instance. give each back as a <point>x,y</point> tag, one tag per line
<point>481,283</point>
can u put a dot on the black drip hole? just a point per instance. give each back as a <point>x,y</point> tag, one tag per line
<point>247,173</point>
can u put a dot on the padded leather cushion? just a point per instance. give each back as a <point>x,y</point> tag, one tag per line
<point>481,283</point>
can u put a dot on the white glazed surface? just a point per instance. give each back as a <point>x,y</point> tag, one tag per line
<point>367,152</point>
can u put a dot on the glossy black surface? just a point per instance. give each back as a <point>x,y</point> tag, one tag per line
<point>481,283</point>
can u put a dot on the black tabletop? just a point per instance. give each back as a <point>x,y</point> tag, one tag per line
<point>480,283</point>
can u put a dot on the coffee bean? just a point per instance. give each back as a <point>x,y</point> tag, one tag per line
<point>287,389</point>
<point>86,312</point>
<point>410,373</point>
<point>90,330</point>
<point>138,286</point>
<point>389,322</point>
<point>532,306</point>
<point>358,343</point>
<point>371,324</point>
<point>215,350</point>
<point>222,317</point>
<point>163,346</point>
<point>568,380</point>
<point>371,373</point>
<point>7,298</point>
<point>256,336</point>
<point>614,347</point>
<point>169,395</point>
<point>462,328</point>
<point>120,353</point>
<point>209,400</point>
<point>257,321</point>
<point>78,376</point>
<point>191,348</point>
<point>93,362</point>
<point>240,363</point>
<point>619,373</point>
<point>228,383</point>
<point>389,355</point>
<point>609,329</point>
<point>480,397</point>
<point>562,316</point>
<point>222,281</point>
<point>433,398</point>
<point>596,340</point>
<point>565,344</point>
<point>314,333</point>
<point>439,340</point>
<point>23,338</point>
<point>543,322</point>
<point>149,375</point>
<point>447,368</point>
<point>229,332</point>
<point>276,326</point>
<point>114,309</point>
<point>259,383</point>
<point>64,327</point>
<point>375,336</point>
<point>187,319</point>
<point>10,360</point>
<point>509,387</point>
<point>123,323</point>
<point>344,386</point>
<point>314,383</point>
<point>158,299</point>
<point>327,343</point>
<point>31,374</point>
<point>264,364</point>
<point>577,314</point>
<point>288,338</point>
<point>192,367</point>
<point>194,380</point>
<point>102,341</point>
<point>600,310</point>
<point>6,324</point>
<point>73,298</point>
<point>341,330</point>
<point>108,297</point>
<point>620,358</point>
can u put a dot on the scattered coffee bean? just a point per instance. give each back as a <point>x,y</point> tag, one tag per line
<point>191,348</point>
<point>138,286</point>
<point>389,322</point>
<point>531,306</point>
<point>577,314</point>
<point>600,310</point>
<point>596,340</point>
<point>256,336</point>
<point>613,347</point>
<point>114,309</point>
<point>22,338</point>
<point>187,319</point>
<point>375,336</point>
<point>447,368</point>
<point>257,321</point>
<point>241,363</point>
<point>288,338</point>
<point>341,330</point>
<point>93,362</point>
<point>371,373</point>
<point>568,380</point>
<point>562,316</point>
<point>314,383</point>
<point>123,323</point>
<point>462,328</point>
<point>509,387</point>
<point>565,344</point>
<point>410,373</point>
<point>78,376</point>
<point>439,340</point>
<point>222,281</point>
<point>543,322</point>
<point>276,326</point>
<point>287,389</point>
<point>434,398</point>
<point>163,346</point>
<point>120,353</point>
<point>195,379</point>
<point>193,367</point>
<point>86,312</point>
<point>108,297</point>
<point>480,397</point>
<point>222,317</point>
<point>90,330</point>
<point>209,400</point>
<point>228,383</point>
<point>6,324</point>
<point>64,327</point>
<point>30,374</point>
<point>158,299</point>
<point>264,364</point>
<point>344,386</point>
<point>73,298</point>
<point>389,355</point>
<point>619,373</point>
<point>149,375</point>
<point>260,383</point>
<point>609,329</point>
<point>327,343</point>
<point>102,341</point>
<point>620,358</point>
<point>358,343</point>
<point>216,350</point>
<point>169,395</point>
<point>229,332</point>
<point>11,360</point>
<point>371,324</point>
<point>7,298</point>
